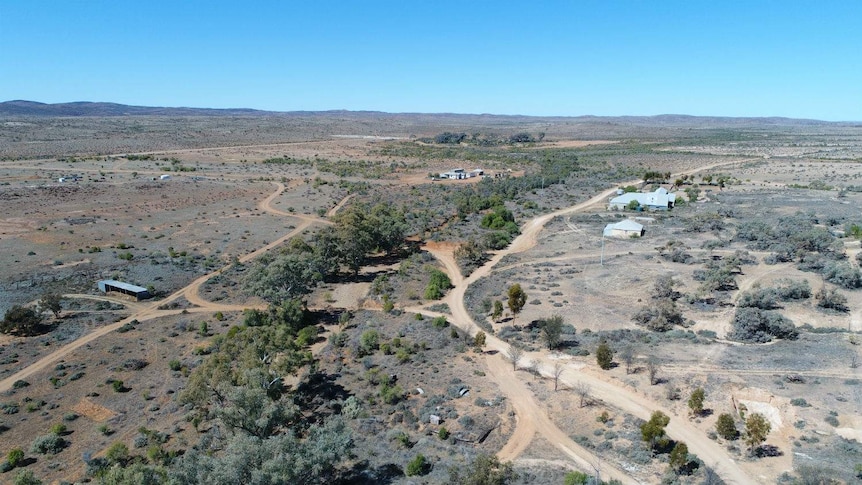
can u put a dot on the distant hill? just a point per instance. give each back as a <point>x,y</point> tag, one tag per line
<point>93,109</point>
<point>85,108</point>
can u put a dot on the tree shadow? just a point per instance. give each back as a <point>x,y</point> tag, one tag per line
<point>764,451</point>
<point>362,474</point>
<point>319,389</point>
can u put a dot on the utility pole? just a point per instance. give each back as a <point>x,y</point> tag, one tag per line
<point>602,257</point>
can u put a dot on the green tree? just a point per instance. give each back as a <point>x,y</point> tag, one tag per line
<point>653,431</point>
<point>695,401</point>
<point>53,302</point>
<point>369,342</point>
<point>437,285</point>
<point>517,299</point>
<point>756,429</point>
<point>633,205</point>
<point>284,277</point>
<point>678,457</point>
<point>552,331</point>
<point>604,355</point>
<point>497,311</point>
<point>725,426</point>
<point>21,321</point>
<point>479,341</point>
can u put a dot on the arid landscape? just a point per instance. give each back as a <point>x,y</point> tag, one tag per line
<point>325,308</point>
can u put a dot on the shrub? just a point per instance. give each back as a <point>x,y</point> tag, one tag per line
<point>437,285</point>
<point>763,298</point>
<point>26,477</point>
<point>443,433</point>
<point>20,384</point>
<point>800,402</point>
<point>417,466</point>
<point>831,300</point>
<point>58,429</point>
<point>440,322</point>
<point>843,275</point>
<point>174,365</point>
<point>757,326</point>
<point>46,444</point>
<point>576,478</point>
<point>118,386</point>
<point>14,457</point>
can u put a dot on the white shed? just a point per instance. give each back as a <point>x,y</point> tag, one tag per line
<point>624,229</point>
<point>164,177</point>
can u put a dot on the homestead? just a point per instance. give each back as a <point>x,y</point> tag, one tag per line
<point>661,199</point>
<point>114,286</point>
<point>624,229</point>
<point>460,173</point>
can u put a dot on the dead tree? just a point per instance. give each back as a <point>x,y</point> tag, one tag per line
<point>582,389</point>
<point>653,366</point>
<point>558,371</point>
<point>515,354</point>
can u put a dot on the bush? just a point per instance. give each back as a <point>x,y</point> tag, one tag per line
<point>753,325</point>
<point>843,275</point>
<point>174,365</point>
<point>58,429</point>
<point>417,466</point>
<point>793,290</point>
<point>800,402</point>
<point>14,457</point>
<point>831,300</point>
<point>443,433</point>
<point>437,285</point>
<point>576,478</point>
<point>20,384</point>
<point>763,298</point>
<point>46,444</point>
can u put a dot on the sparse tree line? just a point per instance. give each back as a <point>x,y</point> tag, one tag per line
<point>484,140</point>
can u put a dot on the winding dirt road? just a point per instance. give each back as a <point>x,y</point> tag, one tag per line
<point>617,395</point>
<point>145,312</point>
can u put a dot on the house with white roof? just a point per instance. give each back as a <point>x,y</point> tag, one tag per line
<point>661,199</point>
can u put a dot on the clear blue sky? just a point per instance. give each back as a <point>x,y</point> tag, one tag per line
<point>791,58</point>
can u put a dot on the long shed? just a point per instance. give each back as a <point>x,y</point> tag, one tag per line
<point>138,292</point>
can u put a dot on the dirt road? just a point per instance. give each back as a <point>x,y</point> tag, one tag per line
<point>533,419</point>
<point>610,392</point>
<point>145,312</point>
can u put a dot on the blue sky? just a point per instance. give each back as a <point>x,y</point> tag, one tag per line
<point>725,58</point>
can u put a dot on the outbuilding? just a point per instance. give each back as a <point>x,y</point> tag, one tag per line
<point>661,199</point>
<point>624,229</point>
<point>164,177</point>
<point>128,289</point>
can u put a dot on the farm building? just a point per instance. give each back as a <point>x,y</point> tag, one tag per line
<point>626,228</point>
<point>661,199</point>
<point>460,173</point>
<point>113,286</point>
<point>454,174</point>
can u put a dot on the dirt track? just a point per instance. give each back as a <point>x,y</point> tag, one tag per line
<point>145,312</point>
<point>610,392</point>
